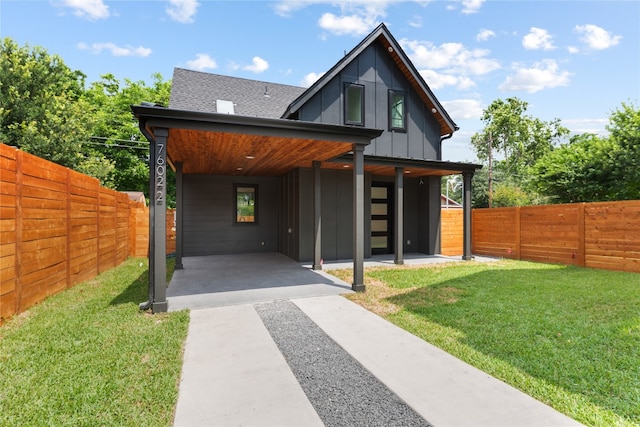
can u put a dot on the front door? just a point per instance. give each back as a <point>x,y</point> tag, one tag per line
<point>381,218</point>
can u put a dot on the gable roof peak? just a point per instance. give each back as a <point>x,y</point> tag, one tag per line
<point>381,33</point>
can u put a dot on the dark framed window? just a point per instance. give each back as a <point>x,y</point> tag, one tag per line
<point>246,203</point>
<point>354,104</point>
<point>397,110</point>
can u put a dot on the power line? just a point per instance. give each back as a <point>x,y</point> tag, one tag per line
<point>115,145</point>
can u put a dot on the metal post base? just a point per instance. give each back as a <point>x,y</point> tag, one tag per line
<point>358,288</point>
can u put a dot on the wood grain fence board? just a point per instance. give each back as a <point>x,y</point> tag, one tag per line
<point>599,235</point>
<point>8,234</point>
<point>451,232</point>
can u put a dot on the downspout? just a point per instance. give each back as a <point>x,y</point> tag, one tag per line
<point>442,138</point>
<point>151,289</point>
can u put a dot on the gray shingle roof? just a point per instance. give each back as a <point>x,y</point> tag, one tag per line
<point>198,91</point>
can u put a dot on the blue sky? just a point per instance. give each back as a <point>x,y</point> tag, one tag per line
<point>573,60</point>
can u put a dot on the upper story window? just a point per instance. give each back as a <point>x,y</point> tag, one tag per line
<point>397,110</point>
<point>354,104</point>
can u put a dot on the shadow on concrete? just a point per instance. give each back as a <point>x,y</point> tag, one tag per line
<point>219,280</point>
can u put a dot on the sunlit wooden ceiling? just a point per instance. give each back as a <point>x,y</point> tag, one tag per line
<point>223,153</point>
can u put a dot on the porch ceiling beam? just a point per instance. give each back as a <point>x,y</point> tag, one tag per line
<point>447,168</point>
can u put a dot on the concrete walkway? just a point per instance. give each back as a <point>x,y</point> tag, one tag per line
<point>234,374</point>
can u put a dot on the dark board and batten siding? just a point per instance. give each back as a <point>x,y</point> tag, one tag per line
<point>209,226</point>
<point>375,70</point>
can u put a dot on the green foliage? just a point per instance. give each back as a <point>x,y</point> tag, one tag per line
<point>520,140</point>
<point>115,131</point>
<point>624,128</point>
<point>41,110</point>
<point>567,336</point>
<point>592,168</point>
<point>581,171</point>
<point>505,195</point>
<point>88,356</point>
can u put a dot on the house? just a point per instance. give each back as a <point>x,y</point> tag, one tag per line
<point>344,169</point>
<point>449,203</point>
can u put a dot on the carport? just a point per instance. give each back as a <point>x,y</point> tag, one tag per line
<point>212,143</point>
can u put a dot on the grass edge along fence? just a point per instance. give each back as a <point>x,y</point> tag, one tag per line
<point>598,235</point>
<point>58,228</point>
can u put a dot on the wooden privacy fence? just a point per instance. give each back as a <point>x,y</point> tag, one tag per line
<point>599,235</point>
<point>59,228</point>
<point>451,236</point>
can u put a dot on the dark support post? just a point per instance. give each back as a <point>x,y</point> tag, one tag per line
<point>466,208</point>
<point>317,217</point>
<point>358,218</point>
<point>158,200</point>
<point>399,214</point>
<point>179,208</point>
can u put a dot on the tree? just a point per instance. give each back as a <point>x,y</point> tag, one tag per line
<point>592,168</point>
<point>519,138</point>
<point>41,110</point>
<point>581,171</point>
<point>624,129</point>
<point>115,135</point>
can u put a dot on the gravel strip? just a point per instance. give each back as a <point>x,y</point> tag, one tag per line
<point>342,392</point>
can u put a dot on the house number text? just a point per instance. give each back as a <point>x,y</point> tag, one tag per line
<point>160,172</point>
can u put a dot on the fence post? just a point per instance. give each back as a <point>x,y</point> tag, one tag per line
<point>68,236</point>
<point>18,257</point>
<point>518,247</point>
<point>581,255</point>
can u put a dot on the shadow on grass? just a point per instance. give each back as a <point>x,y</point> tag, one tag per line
<point>563,325</point>
<point>138,290</point>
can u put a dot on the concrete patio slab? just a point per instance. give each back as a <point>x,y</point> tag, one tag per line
<point>222,280</point>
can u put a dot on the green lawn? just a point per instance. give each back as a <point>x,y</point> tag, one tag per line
<point>89,357</point>
<point>567,336</point>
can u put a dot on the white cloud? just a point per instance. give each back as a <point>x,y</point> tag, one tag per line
<point>484,35</point>
<point>115,50</point>
<point>463,109</point>
<point>258,65</point>
<point>340,25</point>
<point>544,75</point>
<point>182,11</point>
<point>453,58</point>
<point>286,8</point>
<point>91,9</point>
<point>471,6</point>
<point>595,126</point>
<point>310,79</point>
<point>596,37</point>
<point>202,62</point>
<point>573,49</point>
<point>538,38</point>
<point>415,22</point>
<point>437,80</point>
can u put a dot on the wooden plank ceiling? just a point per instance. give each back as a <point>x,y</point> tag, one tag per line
<point>220,153</point>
